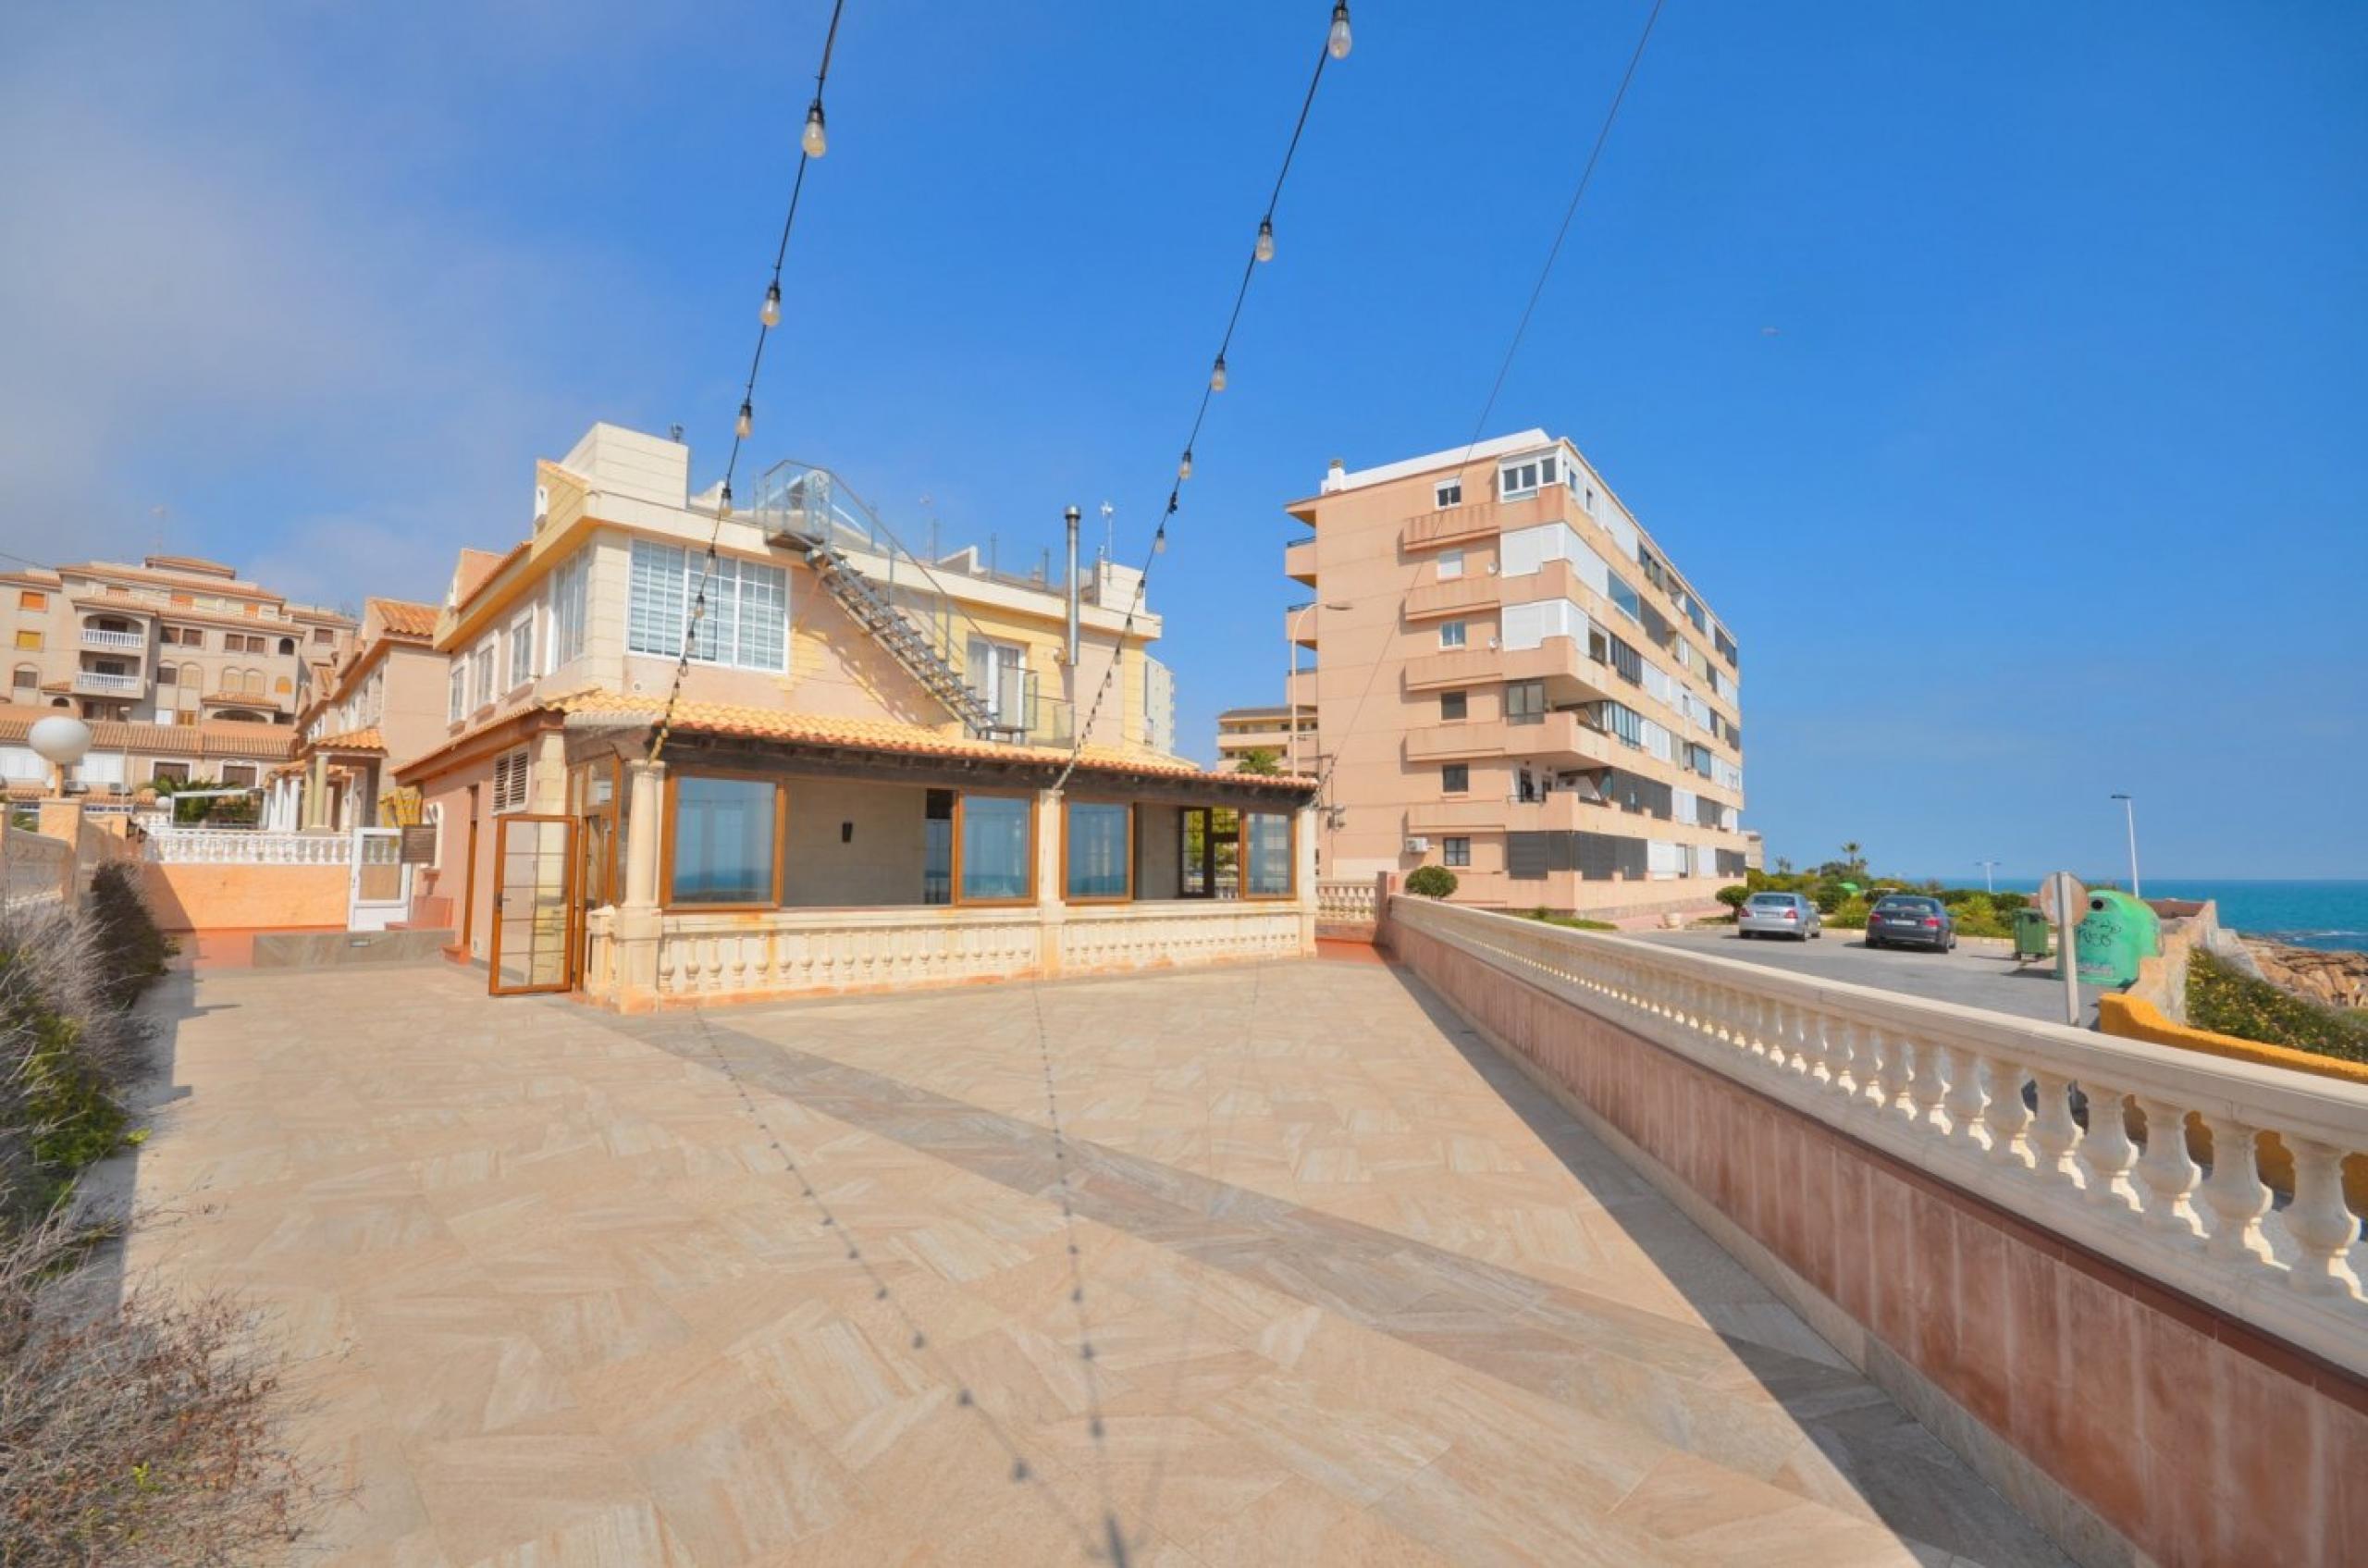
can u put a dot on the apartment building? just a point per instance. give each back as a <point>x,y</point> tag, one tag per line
<point>174,641</point>
<point>361,716</point>
<point>856,727</point>
<point>1242,731</point>
<point>1520,684</point>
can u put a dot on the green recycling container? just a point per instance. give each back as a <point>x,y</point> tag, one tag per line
<point>2116,933</point>
<point>2031,934</point>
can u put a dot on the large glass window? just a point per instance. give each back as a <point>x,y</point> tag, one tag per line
<point>1098,859</point>
<point>726,848</point>
<point>1525,702</point>
<point>995,829</point>
<point>746,619</point>
<point>1267,854</point>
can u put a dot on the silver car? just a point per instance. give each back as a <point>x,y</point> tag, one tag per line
<point>1779,914</point>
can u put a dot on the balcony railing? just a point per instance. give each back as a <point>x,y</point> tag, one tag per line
<point>2053,1124</point>
<point>93,683</point>
<point>1453,666</point>
<point>126,642</point>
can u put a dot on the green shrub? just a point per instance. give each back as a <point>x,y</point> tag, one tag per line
<point>132,950</point>
<point>2227,1001</point>
<point>1850,914</point>
<point>1573,923</point>
<point>1733,898</point>
<point>1430,881</point>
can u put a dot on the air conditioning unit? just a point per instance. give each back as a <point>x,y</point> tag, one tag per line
<point>1418,846</point>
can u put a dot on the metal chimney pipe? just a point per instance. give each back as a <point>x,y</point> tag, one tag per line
<point>1070,516</point>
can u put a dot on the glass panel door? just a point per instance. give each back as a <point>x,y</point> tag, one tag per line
<point>534,859</point>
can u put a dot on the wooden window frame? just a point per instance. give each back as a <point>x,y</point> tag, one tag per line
<point>1241,856</point>
<point>1067,806</point>
<point>668,807</point>
<point>961,814</point>
<point>570,952</point>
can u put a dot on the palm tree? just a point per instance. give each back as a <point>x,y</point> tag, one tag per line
<point>1855,854</point>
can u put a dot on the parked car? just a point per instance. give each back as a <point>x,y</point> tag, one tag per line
<point>1910,919</point>
<point>1779,914</point>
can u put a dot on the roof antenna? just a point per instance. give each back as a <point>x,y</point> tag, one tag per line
<point>674,434</point>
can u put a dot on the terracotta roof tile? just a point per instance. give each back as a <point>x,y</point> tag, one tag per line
<point>880,735</point>
<point>352,740</point>
<point>218,737</point>
<point>405,618</point>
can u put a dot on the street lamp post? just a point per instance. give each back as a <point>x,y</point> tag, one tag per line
<point>1989,874</point>
<point>2130,815</point>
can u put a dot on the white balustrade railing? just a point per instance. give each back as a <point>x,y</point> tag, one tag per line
<point>103,684</point>
<point>115,642</point>
<point>1346,903</point>
<point>236,846</point>
<point>2032,1117</point>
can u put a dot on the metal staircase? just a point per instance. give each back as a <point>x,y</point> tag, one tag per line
<point>890,592</point>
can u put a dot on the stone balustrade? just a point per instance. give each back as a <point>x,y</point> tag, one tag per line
<point>236,846</point>
<point>730,956</point>
<point>1346,903</point>
<point>2007,1110</point>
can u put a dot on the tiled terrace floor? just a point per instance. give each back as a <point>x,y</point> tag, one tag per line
<point>1356,1294</point>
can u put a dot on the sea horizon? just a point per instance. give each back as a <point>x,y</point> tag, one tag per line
<point>2324,912</point>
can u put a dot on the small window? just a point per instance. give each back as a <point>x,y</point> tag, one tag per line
<point>510,781</point>
<point>1518,478</point>
<point>521,650</point>
<point>725,841</point>
<point>1448,492</point>
<point>1456,851</point>
<point>177,771</point>
<point>287,645</point>
<point>1450,633</point>
<point>1525,702</point>
<point>28,677</point>
<point>323,634</point>
<point>1450,564</point>
<point>996,834</point>
<point>29,641</point>
<point>1265,855</point>
<point>1454,706</point>
<point>1099,838</point>
<point>1455,778</point>
<point>238,775</point>
<point>457,693</point>
<point>32,598</point>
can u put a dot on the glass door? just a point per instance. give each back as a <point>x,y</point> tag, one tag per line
<point>533,918</point>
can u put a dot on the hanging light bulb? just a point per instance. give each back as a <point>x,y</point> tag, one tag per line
<point>814,141</point>
<point>1265,239</point>
<point>770,315</point>
<point>1184,469</point>
<point>1341,41</point>
<point>1216,376</point>
<point>723,502</point>
<point>748,417</point>
<point>1159,540</point>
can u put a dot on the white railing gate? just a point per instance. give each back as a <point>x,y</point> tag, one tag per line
<point>378,884</point>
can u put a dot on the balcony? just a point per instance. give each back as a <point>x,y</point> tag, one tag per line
<point>1559,739</point>
<point>1450,525</point>
<point>115,642</point>
<point>92,683</point>
<point>1472,591</point>
<point>1299,561</point>
<point>1453,666</point>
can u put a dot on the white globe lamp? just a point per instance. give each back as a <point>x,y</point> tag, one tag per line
<point>60,741</point>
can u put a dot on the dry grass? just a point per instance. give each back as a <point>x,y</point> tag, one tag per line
<point>134,1429</point>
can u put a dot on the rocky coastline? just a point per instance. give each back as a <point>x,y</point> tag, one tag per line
<point>2338,979</point>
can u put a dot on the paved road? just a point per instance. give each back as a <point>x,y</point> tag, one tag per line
<point>1966,977</point>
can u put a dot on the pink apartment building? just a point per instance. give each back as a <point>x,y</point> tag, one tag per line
<point>363,716</point>
<point>1519,684</point>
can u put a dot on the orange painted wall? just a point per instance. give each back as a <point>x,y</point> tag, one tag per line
<point>247,897</point>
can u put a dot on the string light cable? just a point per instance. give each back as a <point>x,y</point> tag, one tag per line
<point>812,143</point>
<point>1521,329</point>
<point>1337,42</point>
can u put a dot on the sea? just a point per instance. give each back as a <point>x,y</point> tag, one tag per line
<point>2331,914</point>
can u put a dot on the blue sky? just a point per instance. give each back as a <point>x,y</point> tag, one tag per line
<point>2052,479</point>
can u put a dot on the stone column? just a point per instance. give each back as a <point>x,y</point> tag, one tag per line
<point>548,778</point>
<point>1051,910</point>
<point>640,922</point>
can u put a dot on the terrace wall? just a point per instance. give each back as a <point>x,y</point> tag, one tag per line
<point>2103,1363</point>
